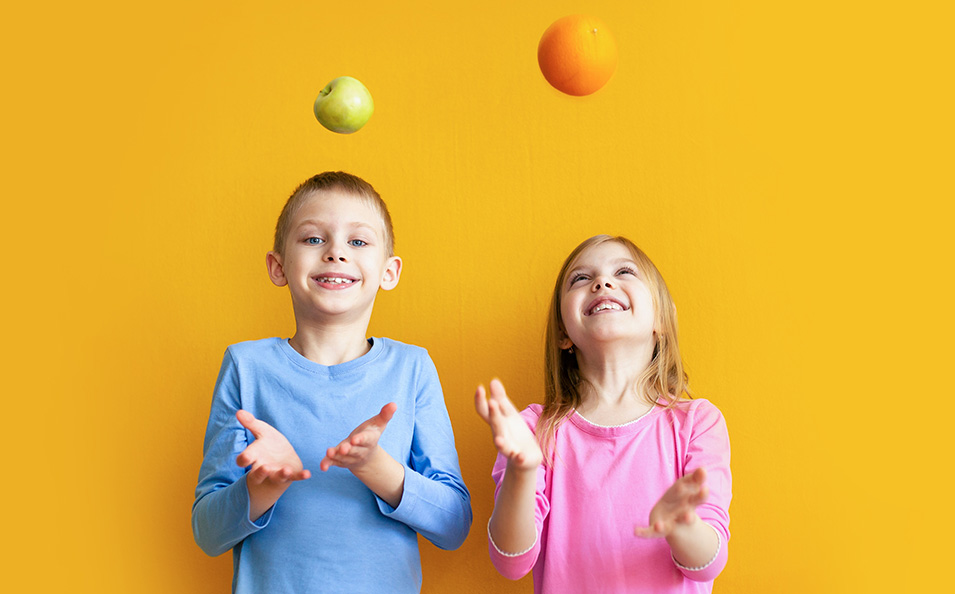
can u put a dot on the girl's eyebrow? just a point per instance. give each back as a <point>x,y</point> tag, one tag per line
<point>618,262</point>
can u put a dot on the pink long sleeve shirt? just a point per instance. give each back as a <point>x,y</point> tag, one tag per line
<point>603,483</point>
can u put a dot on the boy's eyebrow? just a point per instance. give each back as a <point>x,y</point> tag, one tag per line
<point>319,223</point>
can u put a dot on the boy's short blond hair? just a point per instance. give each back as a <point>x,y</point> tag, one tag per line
<point>333,180</point>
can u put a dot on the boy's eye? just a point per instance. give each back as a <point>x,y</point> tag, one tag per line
<point>358,242</point>
<point>314,241</point>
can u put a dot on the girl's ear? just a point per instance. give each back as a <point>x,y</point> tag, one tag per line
<point>565,343</point>
<point>273,261</point>
<point>392,273</point>
<point>658,322</point>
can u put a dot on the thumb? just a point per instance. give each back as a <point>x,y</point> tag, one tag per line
<point>248,420</point>
<point>387,412</point>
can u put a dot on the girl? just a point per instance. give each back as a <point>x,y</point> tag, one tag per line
<point>626,486</point>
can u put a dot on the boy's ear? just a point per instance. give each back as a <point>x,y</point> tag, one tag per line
<point>273,260</point>
<point>389,279</point>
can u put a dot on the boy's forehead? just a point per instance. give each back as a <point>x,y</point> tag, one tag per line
<point>339,208</point>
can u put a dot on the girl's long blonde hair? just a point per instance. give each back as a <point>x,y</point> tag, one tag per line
<point>664,381</point>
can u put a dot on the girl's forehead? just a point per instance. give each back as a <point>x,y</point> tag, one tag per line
<point>608,252</point>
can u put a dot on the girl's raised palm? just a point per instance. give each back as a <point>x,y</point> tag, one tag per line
<point>512,437</point>
<point>677,507</point>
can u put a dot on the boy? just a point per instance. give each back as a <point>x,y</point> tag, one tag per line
<point>278,405</point>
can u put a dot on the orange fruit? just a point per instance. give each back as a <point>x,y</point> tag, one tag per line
<point>577,54</point>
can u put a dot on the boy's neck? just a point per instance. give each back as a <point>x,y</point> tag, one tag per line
<point>330,345</point>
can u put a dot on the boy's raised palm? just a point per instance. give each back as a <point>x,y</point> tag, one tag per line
<point>271,456</point>
<point>677,506</point>
<point>512,437</point>
<point>355,450</point>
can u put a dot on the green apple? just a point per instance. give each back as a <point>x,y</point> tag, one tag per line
<point>344,105</point>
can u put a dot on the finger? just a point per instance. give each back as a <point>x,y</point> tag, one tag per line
<point>500,395</point>
<point>247,456</point>
<point>387,411</point>
<point>496,418</point>
<point>480,403</point>
<point>246,419</point>
<point>258,475</point>
<point>325,464</point>
<point>701,496</point>
<point>497,391</point>
<point>502,446</point>
<point>255,426</point>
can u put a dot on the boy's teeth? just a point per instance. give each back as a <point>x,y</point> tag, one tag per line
<point>334,281</point>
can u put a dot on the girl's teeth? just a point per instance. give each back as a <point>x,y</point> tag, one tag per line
<point>604,306</point>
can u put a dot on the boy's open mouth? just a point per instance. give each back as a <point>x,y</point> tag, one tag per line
<point>334,280</point>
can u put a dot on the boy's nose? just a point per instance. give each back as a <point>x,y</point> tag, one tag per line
<point>332,258</point>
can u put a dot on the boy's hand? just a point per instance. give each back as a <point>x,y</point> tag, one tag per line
<point>512,437</point>
<point>677,507</point>
<point>271,456</point>
<point>357,449</point>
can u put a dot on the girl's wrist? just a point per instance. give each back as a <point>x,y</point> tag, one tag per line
<point>514,467</point>
<point>683,530</point>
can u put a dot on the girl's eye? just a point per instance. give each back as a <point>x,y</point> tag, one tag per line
<point>314,241</point>
<point>358,242</point>
<point>626,270</point>
<point>577,278</point>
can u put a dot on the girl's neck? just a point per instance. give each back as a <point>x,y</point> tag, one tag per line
<point>610,377</point>
<point>329,345</point>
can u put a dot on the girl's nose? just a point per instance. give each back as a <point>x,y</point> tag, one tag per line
<point>602,283</point>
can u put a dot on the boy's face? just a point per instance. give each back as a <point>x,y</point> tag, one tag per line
<point>335,259</point>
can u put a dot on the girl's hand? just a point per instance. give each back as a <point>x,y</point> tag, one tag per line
<point>355,451</point>
<point>677,507</point>
<point>512,437</point>
<point>271,456</point>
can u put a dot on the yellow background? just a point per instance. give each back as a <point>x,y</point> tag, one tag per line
<point>788,166</point>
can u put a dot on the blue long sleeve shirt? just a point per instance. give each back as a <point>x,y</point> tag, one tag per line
<point>330,533</point>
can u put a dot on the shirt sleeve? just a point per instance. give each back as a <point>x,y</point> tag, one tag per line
<point>516,564</point>
<point>435,502</point>
<point>220,513</point>
<point>709,448</point>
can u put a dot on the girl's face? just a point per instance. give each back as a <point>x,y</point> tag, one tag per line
<point>604,297</point>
